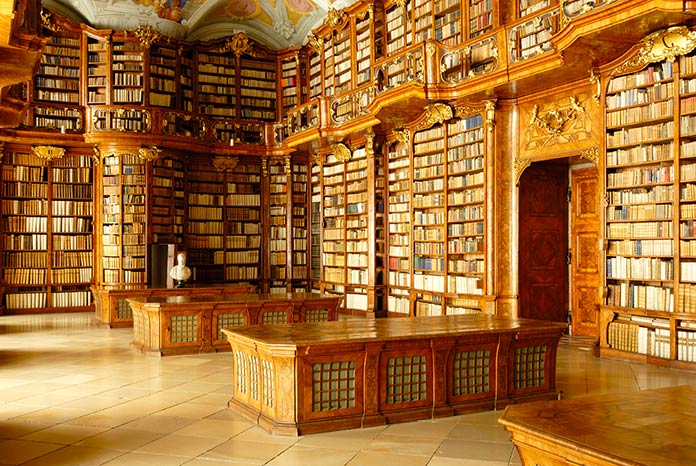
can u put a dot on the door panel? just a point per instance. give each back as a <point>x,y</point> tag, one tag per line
<point>543,242</point>
<point>584,222</point>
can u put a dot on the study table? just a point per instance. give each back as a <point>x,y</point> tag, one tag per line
<point>164,325</point>
<point>315,377</point>
<point>644,428</point>
<point>111,308</point>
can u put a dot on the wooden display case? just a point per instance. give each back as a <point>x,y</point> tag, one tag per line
<point>319,377</point>
<point>111,307</point>
<point>180,324</point>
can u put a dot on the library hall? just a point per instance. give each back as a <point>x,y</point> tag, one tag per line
<point>350,232</point>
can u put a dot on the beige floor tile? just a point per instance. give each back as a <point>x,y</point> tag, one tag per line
<point>421,429</point>
<point>215,428</point>
<point>53,415</point>
<point>146,459</point>
<point>368,458</point>
<point>74,456</point>
<point>299,455</point>
<point>191,410</point>
<point>180,445</point>
<point>405,445</point>
<point>120,439</point>
<point>475,450</point>
<point>63,433</point>
<point>245,451</point>
<point>159,424</point>
<point>21,451</point>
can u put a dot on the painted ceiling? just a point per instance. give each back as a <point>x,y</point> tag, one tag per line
<point>277,24</point>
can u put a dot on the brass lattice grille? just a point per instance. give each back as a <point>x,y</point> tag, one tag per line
<point>471,372</point>
<point>333,385</point>
<point>240,363</point>
<point>529,366</point>
<point>406,379</point>
<point>316,315</point>
<point>234,319</point>
<point>184,329</point>
<point>123,309</point>
<point>274,317</point>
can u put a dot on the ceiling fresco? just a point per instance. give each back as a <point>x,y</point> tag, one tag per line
<point>277,24</point>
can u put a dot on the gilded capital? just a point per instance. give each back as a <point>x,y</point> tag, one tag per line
<point>48,152</point>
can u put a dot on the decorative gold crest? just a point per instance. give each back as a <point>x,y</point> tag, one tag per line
<point>47,22</point>
<point>434,114</point>
<point>315,43</point>
<point>554,121</point>
<point>147,35</point>
<point>341,152</point>
<point>48,152</point>
<point>149,153</point>
<point>520,166</point>
<point>490,114</point>
<point>402,135</point>
<point>665,44</point>
<point>225,163</point>
<point>334,18</point>
<point>591,154</point>
<point>239,44</point>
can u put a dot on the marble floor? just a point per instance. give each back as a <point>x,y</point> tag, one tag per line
<point>72,393</point>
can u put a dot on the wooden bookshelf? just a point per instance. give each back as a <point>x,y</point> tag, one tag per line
<point>216,73</point>
<point>398,29</point>
<point>649,313</point>
<point>315,256</point>
<point>364,40</point>
<point>123,226</point>
<point>290,82</point>
<point>128,70</point>
<point>97,70</point>
<point>243,218</point>
<point>162,73</point>
<point>257,88</point>
<point>47,237</point>
<point>300,223</point>
<point>167,201</point>
<point>205,225</point>
<point>278,204</point>
<point>399,228</point>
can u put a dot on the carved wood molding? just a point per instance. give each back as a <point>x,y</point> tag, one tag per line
<point>591,154</point>
<point>519,167</point>
<point>239,44</point>
<point>149,153</point>
<point>147,35</point>
<point>434,114</point>
<point>335,18</point>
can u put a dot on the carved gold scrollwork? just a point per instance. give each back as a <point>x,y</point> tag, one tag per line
<point>520,166</point>
<point>370,145</point>
<point>401,3</point>
<point>225,163</point>
<point>315,159</point>
<point>47,21</point>
<point>554,121</point>
<point>147,35</point>
<point>596,81</point>
<point>288,165</point>
<point>239,44</point>
<point>48,152</point>
<point>665,44</point>
<point>315,43</point>
<point>341,152</point>
<point>430,49</point>
<point>264,166</point>
<point>149,153</point>
<point>591,154</point>
<point>490,114</point>
<point>463,111</point>
<point>334,18</point>
<point>96,156</point>
<point>434,114</point>
<point>402,135</point>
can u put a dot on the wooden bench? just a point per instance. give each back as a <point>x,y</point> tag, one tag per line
<point>111,308</point>
<point>164,325</point>
<point>316,377</point>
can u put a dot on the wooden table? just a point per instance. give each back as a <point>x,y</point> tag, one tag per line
<point>111,308</point>
<point>164,325</point>
<point>649,427</point>
<point>306,378</point>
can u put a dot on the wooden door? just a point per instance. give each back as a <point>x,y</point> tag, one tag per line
<point>543,242</point>
<point>584,272</point>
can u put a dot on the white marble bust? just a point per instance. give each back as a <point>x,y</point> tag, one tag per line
<point>180,273</point>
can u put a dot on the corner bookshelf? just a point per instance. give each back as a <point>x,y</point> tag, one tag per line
<point>243,220</point>
<point>97,78</point>
<point>47,236</point>
<point>649,312</point>
<point>290,85</point>
<point>123,220</point>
